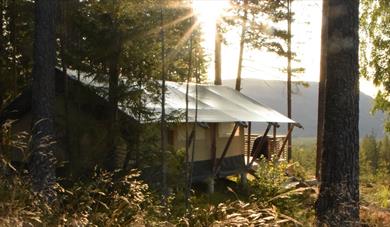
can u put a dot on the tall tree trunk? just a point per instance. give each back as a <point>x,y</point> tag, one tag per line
<point>289,18</point>
<point>338,201</point>
<point>242,45</point>
<point>63,45</point>
<point>164,167</point>
<point>12,39</point>
<point>321,87</point>
<point>218,45</point>
<point>42,162</point>
<point>113,98</point>
<point>2,54</point>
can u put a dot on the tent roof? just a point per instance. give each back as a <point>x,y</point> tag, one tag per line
<point>217,103</point>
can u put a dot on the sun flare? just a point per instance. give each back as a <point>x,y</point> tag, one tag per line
<point>207,13</point>
<point>209,10</point>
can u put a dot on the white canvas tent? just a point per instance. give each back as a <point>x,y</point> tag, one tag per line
<point>221,114</point>
<point>219,147</point>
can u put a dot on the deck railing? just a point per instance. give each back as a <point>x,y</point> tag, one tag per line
<point>274,144</point>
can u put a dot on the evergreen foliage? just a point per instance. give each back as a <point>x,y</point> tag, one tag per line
<point>374,158</point>
<point>16,31</point>
<point>374,49</point>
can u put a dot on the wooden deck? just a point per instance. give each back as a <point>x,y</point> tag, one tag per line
<point>274,145</point>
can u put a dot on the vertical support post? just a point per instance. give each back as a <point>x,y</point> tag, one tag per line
<point>243,179</point>
<point>210,184</point>
<point>213,147</point>
<point>275,147</point>
<point>248,152</point>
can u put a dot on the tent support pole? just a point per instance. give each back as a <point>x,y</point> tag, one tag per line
<point>274,144</point>
<point>285,141</point>
<point>248,152</point>
<point>259,145</point>
<point>275,147</point>
<point>213,148</point>
<point>219,163</point>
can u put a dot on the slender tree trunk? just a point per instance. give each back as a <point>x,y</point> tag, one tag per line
<point>112,161</point>
<point>2,56</point>
<point>187,156</point>
<point>2,48</point>
<point>12,40</point>
<point>42,162</point>
<point>289,18</point>
<point>338,201</point>
<point>63,46</point>
<point>164,166</point>
<point>242,45</point>
<point>2,8</point>
<point>321,87</point>
<point>218,46</point>
<point>113,98</point>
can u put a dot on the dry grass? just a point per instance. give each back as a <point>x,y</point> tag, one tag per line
<point>374,216</point>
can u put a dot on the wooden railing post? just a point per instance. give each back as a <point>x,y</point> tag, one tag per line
<point>248,152</point>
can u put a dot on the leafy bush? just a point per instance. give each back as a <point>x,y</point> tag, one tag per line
<point>383,196</point>
<point>281,185</point>
<point>270,176</point>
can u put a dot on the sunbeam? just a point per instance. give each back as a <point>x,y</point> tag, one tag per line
<point>182,41</point>
<point>171,23</point>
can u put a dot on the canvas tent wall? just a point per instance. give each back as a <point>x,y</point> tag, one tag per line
<point>233,163</point>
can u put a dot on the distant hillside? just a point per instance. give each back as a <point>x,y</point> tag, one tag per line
<point>304,109</point>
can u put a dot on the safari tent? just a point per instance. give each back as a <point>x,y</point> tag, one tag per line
<point>222,116</point>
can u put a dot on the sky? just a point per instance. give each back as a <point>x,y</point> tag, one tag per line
<point>306,43</point>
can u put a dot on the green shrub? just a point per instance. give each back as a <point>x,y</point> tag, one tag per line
<point>382,196</point>
<point>270,177</point>
<point>281,185</point>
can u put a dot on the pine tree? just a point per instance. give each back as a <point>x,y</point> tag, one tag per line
<point>370,150</point>
<point>385,152</point>
<point>42,162</point>
<point>338,200</point>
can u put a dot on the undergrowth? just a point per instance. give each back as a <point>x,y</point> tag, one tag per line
<point>122,199</point>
